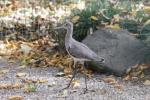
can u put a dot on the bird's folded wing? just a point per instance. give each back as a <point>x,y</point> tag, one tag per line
<point>81,51</point>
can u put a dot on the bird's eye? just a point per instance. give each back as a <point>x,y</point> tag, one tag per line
<point>65,25</point>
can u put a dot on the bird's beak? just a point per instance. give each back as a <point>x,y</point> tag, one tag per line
<point>60,27</point>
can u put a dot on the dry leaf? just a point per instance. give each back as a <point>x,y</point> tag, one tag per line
<point>128,77</point>
<point>134,12</point>
<point>144,66</point>
<point>128,70</point>
<point>103,91</point>
<point>60,74</point>
<point>23,66</point>
<point>25,48</point>
<point>147,9</point>
<point>21,74</point>
<point>11,86</point>
<point>29,88</point>
<point>64,93</point>
<point>110,80</point>
<point>94,18</point>
<point>52,84</point>
<point>119,87</point>
<point>16,97</point>
<point>5,86</point>
<point>75,19</point>
<point>75,83</point>
<point>4,71</point>
<point>147,82</point>
<point>115,26</point>
<point>42,81</point>
<point>17,85</point>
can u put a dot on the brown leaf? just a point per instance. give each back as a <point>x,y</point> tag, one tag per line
<point>64,93</point>
<point>119,87</point>
<point>103,91</point>
<point>29,88</point>
<point>115,27</point>
<point>60,74</point>
<point>75,19</point>
<point>75,83</point>
<point>94,18</point>
<point>4,71</point>
<point>42,81</point>
<point>5,86</point>
<point>52,84</point>
<point>110,80</point>
<point>21,74</point>
<point>10,86</point>
<point>127,78</point>
<point>16,97</point>
<point>17,85</point>
<point>147,82</point>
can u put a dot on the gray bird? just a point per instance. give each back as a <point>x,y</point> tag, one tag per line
<point>77,50</point>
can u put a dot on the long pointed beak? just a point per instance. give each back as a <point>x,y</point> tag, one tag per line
<point>59,27</point>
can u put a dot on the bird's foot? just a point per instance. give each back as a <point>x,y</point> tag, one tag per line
<point>85,91</point>
<point>66,87</point>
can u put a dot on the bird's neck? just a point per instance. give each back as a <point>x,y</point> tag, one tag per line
<point>69,34</point>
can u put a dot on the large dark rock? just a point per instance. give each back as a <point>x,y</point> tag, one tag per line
<point>120,49</point>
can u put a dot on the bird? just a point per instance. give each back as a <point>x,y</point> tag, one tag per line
<point>78,51</point>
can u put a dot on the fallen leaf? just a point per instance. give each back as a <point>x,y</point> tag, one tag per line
<point>17,85</point>
<point>42,81</point>
<point>52,84</point>
<point>60,74</point>
<point>75,19</point>
<point>128,70</point>
<point>102,91</point>
<point>11,61</point>
<point>144,66</point>
<point>25,48</point>
<point>147,82</point>
<point>75,83</point>
<point>29,88</point>
<point>147,9</point>
<point>128,77</point>
<point>10,86</point>
<point>119,87</point>
<point>147,22</point>
<point>5,86</point>
<point>64,93</point>
<point>23,66</point>
<point>115,26</point>
<point>4,71</point>
<point>21,74</point>
<point>94,18</point>
<point>16,97</point>
<point>110,80</point>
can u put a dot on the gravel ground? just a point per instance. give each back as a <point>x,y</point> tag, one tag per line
<point>97,88</point>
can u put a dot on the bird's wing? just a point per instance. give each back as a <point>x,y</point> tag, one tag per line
<point>80,50</point>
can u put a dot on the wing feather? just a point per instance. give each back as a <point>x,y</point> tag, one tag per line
<point>80,50</point>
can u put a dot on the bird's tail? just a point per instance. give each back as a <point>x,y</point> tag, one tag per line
<point>100,59</point>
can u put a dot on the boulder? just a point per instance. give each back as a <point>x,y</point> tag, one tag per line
<point>120,49</point>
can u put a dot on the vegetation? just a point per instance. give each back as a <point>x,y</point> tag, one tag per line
<point>28,36</point>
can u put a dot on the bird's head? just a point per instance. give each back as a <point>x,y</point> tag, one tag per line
<point>66,25</point>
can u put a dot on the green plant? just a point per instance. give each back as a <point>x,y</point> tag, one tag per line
<point>100,9</point>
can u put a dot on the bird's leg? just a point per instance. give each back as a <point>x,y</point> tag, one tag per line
<point>85,77</point>
<point>74,73</point>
